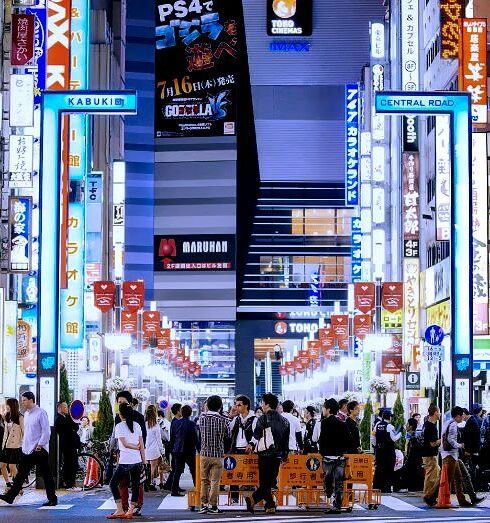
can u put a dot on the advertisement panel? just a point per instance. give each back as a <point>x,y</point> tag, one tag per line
<point>440,314</point>
<point>473,65</point>
<point>443,178</point>
<point>480,233</point>
<point>289,17</point>
<point>352,139</point>
<point>20,224</point>
<point>437,282</point>
<point>409,31</point>
<point>198,47</point>
<point>38,71</point>
<point>199,252</point>
<point>58,48</point>
<point>411,223</point>
<point>22,52</point>
<point>72,298</point>
<point>450,13</point>
<point>392,359</point>
<point>21,100</point>
<point>411,308</point>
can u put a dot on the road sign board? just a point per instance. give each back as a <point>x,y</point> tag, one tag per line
<point>434,335</point>
<point>412,381</point>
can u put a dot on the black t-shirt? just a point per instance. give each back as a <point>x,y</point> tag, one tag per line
<point>430,436</point>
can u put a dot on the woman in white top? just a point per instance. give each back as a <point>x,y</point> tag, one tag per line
<point>154,445</point>
<point>131,459</point>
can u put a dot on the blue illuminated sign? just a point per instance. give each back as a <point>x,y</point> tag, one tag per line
<point>289,47</point>
<point>53,105</point>
<point>356,253</point>
<point>458,106</point>
<point>352,144</point>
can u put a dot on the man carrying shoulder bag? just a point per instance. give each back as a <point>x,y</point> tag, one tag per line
<point>271,442</point>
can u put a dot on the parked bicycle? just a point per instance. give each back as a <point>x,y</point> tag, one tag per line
<point>94,460</point>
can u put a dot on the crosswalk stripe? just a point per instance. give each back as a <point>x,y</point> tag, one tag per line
<point>399,505</point>
<point>57,507</point>
<point>108,505</point>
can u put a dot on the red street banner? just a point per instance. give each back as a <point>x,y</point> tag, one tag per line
<point>104,295</point>
<point>364,296</point>
<point>133,295</point>
<point>151,323</point>
<point>22,39</point>
<point>392,296</point>
<point>340,326</point>
<point>313,351</point>
<point>362,325</point>
<point>163,339</point>
<point>129,322</point>
<point>391,359</point>
<point>327,341</point>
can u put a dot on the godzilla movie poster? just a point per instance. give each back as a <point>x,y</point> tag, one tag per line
<point>198,45</point>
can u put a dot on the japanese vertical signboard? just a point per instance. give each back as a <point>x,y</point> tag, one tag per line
<point>38,71</point>
<point>352,143</point>
<point>198,49</point>
<point>443,178</point>
<point>58,50</point>
<point>20,223</point>
<point>22,39</point>
<point>480,233</point>
<point>411,224</point>
<point>410,44</point>
<point>411,309</point>
<point>72,298</point>
<point>356,249</point>
<point>450,13</point>
<point>473,65</point>
<point>21,100</point>
<point>21,151</point>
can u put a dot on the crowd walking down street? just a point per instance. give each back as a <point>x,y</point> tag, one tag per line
<point>152,453</point>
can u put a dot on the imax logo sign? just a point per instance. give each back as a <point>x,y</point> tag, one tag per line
<point>289,47</point>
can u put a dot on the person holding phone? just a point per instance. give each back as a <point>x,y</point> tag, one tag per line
<point>35,448</point>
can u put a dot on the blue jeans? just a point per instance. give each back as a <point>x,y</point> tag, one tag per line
<point>122,471</point>
<point>334,479</point>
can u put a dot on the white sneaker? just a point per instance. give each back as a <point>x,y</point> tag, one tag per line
<point>74,489</point>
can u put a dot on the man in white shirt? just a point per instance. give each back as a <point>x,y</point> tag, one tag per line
<point>35,448</point>
<point>295,433</point>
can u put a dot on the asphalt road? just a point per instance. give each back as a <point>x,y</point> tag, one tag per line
<point>94,506</point>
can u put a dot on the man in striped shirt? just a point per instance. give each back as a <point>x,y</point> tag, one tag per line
<point>214,428</point>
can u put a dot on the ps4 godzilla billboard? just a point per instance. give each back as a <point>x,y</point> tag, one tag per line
<point>198,45</point>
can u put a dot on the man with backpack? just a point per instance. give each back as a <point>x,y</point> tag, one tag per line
<point>430,451</point>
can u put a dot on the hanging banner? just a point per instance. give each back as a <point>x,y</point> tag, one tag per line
<point>450,13</point>
<point>392,296</point>
<point>473,65</point>
<point>340,326</point>
<point>326,338</point>
<point>198,48</point>
<point>151,323</point>
<point>363,324</point>
<point>411,308</point>
<point>22,52</point>
<point>133,295</point>
<point>352,144</point>
<point>129,322</point>
<point>443,177</point>
<point>104,295</point>
<point>480,233</point>
<point>411,223</point>
<point>391,359</point>
<point>364,296</point>
<point>20,223</point>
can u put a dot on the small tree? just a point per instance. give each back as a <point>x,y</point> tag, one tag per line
<point>399,421</point>
<point>105,421</point>
<point>365,425</point>
<point>65,393</point>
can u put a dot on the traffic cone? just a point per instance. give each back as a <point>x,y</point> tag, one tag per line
<point>91,476</point>
<point>444,496</point>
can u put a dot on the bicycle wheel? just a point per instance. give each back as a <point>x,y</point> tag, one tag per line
<point>90,471</point>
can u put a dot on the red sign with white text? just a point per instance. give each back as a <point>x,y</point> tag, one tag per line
<point>104,295</point>
<point>362,325</point>
<point>133,295</point>
<point>364,296</point>
<point>392,296</point>
<point>151,323</point>
<point>22,39</point>
<point>340,326</point>
<point>129,322</point>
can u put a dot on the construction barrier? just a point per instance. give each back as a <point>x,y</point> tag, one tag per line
<point>300,480</point>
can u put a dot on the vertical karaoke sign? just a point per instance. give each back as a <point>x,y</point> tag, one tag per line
<point>352,144</point>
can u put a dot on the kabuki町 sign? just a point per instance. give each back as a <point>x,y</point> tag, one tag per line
<point>194,253</point>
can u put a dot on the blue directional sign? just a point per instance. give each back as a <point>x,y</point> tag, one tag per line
<point>434,335</point>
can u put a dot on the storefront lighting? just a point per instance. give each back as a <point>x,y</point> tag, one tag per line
<point>117,341</point>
